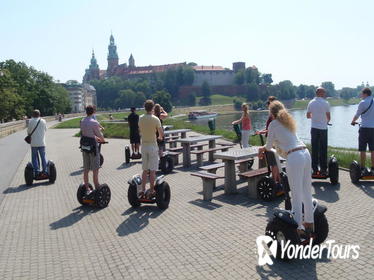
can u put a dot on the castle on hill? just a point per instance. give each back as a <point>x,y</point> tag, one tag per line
<point>214,75</point>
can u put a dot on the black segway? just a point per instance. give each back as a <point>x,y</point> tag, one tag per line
<point>101,155</point>
<point>333,171</point>
<point>166,164</point>
<point>129,157</point>
<point>98,198</point>
<point>31,174</point>
<point>283,227</point>
<point>161,198</point>
<point>358,173</point>
<point>266,186</point>
<point>239,140</point>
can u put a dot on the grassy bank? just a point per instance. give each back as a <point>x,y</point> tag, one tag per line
<point>302,104</point>
<point>218,99</point>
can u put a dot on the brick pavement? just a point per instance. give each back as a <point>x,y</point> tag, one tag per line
<point>46,234</point>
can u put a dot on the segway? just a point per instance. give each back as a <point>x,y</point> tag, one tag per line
<point>358,173</point>
<point>239,140</point>
<point>101,155</point>
<point>31,174</point>
<point>98,198</point>
<point>128,155</point>
<point>283,227</point>
<point>166,164</point>
<point>333,171</point>
<point>161,198</point>
<point>266,186</point>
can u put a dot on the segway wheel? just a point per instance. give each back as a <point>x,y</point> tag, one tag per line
<point>334,170</point>
<point>101,160</point>
<point>250,163</point>
<point>29,174</point>
<point>102,196</point>
<point>281,232</point>
<point>266,188</point>
<point>127,154</point>
<point>321,229</point>
<point>81,192</point>
<point>166,164</point>
<point>163,195</point>
<point>52,173</point>
<point>355,172</point>
<point>132,196</point>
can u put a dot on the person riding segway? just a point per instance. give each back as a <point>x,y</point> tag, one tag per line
<point>91,137</point>
<point>133,120</point>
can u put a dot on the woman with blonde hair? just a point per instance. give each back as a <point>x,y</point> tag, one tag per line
<point>246,125</point>
<point>282,135</point>
<point>159,112</point>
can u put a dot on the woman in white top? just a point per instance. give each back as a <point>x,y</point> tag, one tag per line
<point>282,135</point>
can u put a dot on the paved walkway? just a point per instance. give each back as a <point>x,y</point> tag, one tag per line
<point>46,234</point>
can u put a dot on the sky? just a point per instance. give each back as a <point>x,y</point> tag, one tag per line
<point>305,41</point>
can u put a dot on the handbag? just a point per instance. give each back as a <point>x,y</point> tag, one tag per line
<point>28,137</point>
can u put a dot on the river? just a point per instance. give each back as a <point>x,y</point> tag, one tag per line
<point>341,133</point>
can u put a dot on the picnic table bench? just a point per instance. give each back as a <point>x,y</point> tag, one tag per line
<point>199,153</point>
<point>209,182</point>
<point>253,177</point>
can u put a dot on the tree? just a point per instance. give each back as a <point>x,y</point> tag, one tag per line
<point>163,98</point>
<point>287,90</point>
<point>128,98</point>
<point>267,79</point>
<point>252,92</point>
<point>310,92</point>
<point>301,91</point>
<point>239,77</point>
<point>347,93</point>
<point>330,88</point>
<point>252,75</point>
<point>190,99</point>
<point>205,90</point>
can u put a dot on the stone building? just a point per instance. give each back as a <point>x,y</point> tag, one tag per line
<point>81,95</point>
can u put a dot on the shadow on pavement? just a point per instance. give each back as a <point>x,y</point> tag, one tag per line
<point>367,187</point>
<point>127,165</point>
<point>76,173</point>
<point>24,187</point>
<point>205,204</point>
<point>78,214</point>
<point>137,219</point>
<point>326,191</point>
<point>300,269</point>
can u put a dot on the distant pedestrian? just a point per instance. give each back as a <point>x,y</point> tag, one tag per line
<point>38,143</point>
<point>160,113</point>
<point>365,110</point>
<point>246,125</point>
<point>319,111</point>
<point>133,120</point>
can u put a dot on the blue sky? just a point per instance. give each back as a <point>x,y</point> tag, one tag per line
<point>304,41</point>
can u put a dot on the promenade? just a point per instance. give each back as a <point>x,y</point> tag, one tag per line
<point>46,234</point>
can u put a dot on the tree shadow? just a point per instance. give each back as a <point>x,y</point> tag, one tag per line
<point>326,191</point>
<point>291,269</point>
<point>74,217</point>
<point>137,219</point>
<point>367,187</point>
<point>24,187</point>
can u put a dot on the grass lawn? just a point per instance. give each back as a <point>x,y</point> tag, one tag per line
<point>302,104</point>
<point>218,99</point>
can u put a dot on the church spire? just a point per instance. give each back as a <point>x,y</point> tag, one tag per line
<point>131,61</point>
<point>112,56</point>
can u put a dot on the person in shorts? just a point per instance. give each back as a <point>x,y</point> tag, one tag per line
<point>149,125</point>
<point>90,137</point>
<point>133,120</point>
<point>365,110</point>
<point>319,111</point>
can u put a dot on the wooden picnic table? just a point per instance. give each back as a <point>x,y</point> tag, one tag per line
<point>183,132</point>
<point>229,158</point>
<point>186,144</point>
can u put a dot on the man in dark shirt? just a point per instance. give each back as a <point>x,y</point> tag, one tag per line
<point>133,120</point>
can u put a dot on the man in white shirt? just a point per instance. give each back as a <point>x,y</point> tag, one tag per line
<point>319,111</point>
<point>38,143</point>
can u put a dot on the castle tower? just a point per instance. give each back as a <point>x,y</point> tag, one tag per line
<point>112,57</point>
<point>93,71</point>
<point>131,62</point>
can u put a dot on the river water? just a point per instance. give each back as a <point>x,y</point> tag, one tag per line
<point>340,134</point>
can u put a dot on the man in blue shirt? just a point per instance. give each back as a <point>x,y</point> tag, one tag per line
<point>365,110</point>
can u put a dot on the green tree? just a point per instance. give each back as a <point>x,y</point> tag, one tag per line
<point>163,98</point>
<point>252,75</point>
<point>301,91</point>
<point>239,77</point>
<point>267,79</point>
<point>190,99</point>
<point>330,88</point>
<point>128,98</point>
<point>205,90</point>
<point>253,92</point>
<point>287,90</point>
<point>347,93</point>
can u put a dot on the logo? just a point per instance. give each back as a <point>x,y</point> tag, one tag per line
<point>267,247</point>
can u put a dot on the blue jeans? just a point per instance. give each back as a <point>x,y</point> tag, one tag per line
<point>35,160</point>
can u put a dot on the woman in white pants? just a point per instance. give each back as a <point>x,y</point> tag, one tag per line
<point>246,125</point>
<point>282,135</point>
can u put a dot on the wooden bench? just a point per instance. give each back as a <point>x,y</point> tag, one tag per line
<point>212,168</point>
<point>199,154</point>
<point>253,177</point>
<point>176,149</point>
<point>226,144</point>
<point>209,182</point>
<point>199,146</point>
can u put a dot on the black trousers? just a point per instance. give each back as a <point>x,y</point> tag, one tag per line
<point>319,149</point>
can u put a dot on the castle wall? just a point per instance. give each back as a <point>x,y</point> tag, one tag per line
<point>214,78</point>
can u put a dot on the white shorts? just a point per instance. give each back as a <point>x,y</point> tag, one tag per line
<point>150,157</point>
